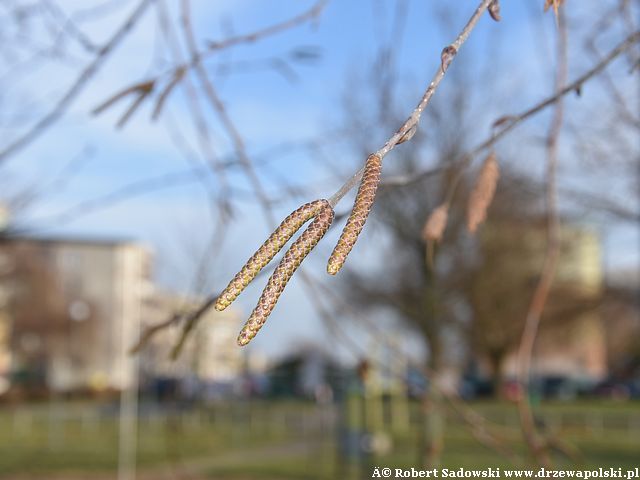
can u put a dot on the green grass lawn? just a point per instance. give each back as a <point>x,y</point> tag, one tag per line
<point>79,437</point>
<point>285,440</point>
<point>595,434</point>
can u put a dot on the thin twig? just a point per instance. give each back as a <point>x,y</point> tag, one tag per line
<point>152,330</point>
<point>414,119</point>
<point>78,85</point>
<point>512,121</point>
<point>532,321</point>
<point>131,190</point>
<point>197,115</point>
<point>196,56</point>
<point>227,122</point>
<point>311,14</point>
<point>507,123</point>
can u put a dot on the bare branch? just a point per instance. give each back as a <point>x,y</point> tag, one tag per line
<point>218,106</point>
<point>80,83</point>
<point>414,119</point>
<point>539,300</point>
<point>311,14</point>
<point>509,122</point>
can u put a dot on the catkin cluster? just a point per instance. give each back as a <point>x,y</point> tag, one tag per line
<point>268,250</point>
<point>323,213</point>
<point>283,273</point>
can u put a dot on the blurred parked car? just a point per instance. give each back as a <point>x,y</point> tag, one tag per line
<point>559,387</point>
<point>618,389</point>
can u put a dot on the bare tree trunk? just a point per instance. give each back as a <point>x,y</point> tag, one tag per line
<point>432,407</point>
<point>496,359</point>
<point>434,423</point>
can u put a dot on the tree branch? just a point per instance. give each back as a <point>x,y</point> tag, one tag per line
<point>538,447</point>
<point>508,123</point>
<point>76,88</point>
<point>413,120</point>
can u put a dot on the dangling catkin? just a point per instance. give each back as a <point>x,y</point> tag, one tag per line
<point>482,193</point>
<point>361,208</point>
<point>436,223</point>
<point>268,250</point>
<point>283,273</point>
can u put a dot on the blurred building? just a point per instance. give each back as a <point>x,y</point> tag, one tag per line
<point>5,350</point>
<point>621,316</point>
<point>4,217</point>
<point>72,309</point>
<point>210,356</point>
<point>571,341</point>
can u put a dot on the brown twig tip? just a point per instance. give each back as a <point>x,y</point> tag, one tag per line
<point>141,89</point>
<point>494,10</point>
<point>505,120</point>
<point>483,192</point>
<point>268,250</point>
<point>553,3</point>
<point>436,223</point>
<point>361,208</point>
<point>177,77</point>
<point>283,273</point>
<point>447,55</point>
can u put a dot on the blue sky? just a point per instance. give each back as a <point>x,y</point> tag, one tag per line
<point>271,110</point>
